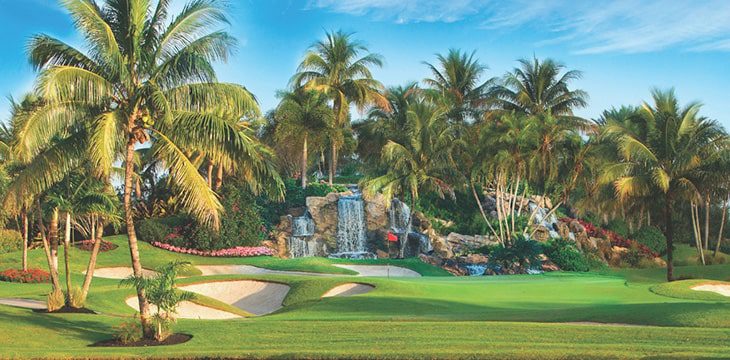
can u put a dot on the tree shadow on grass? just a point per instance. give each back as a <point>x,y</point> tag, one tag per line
<point>82,326</point>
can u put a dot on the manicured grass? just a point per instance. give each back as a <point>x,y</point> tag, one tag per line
<point>522,316</point>
<point>683,290</point>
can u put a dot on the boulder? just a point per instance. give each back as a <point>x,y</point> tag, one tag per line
<point>440,246</point>
<point>541,233</point>
<point>431,260</point>
<point>576,227</point>
<point>563,230</point>
<point>382,254</point>
<point>476,259</point>
<point>462,243</point>
<point>323,210</point>
<point>376,213</point>
<point>617,253</point>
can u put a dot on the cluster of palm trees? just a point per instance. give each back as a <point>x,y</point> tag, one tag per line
<point>143,93</point>
<point>512,136</point>
<point>142,99</point>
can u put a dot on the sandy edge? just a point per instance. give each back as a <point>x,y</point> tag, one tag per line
<point>349,289</point>
<point>722,289</point>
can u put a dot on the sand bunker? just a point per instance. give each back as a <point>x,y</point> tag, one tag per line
<point>119,272</point>
<point>255,297</point>
<point>24,303</point>
<point>249,270</point>
<point>721,289</point>
<point>381,270</point>
<point>349,289</point>
<point>190,310</point>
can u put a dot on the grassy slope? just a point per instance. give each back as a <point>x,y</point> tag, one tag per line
<point>430,316</point>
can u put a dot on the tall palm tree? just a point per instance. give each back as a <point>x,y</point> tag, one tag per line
<point>538,87</point>
<point>145,77</point>
<point>457,80</point>
<point>386,123</point>
<point>304,114</point>
<point>334,67</point>
<point>422,161</point>
<point>668,159</point>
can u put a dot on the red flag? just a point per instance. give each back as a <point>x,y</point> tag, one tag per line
<point>392,237</point>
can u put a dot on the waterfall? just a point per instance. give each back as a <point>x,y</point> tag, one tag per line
<point>400,217</point>
<point>351,235</point>
<point>302,228</point>
<point>541,218</point>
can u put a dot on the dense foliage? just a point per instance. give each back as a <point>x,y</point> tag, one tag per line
<point>10,240</point>
<point>565,255</point>
<point>652,238</point>
<point>30,276</point>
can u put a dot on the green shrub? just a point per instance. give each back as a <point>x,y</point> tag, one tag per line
<point>128,331</point>
<point>524,252</point>
<point>565,255</point>
<point>10,240</point>
<point>652,237</point>
<point>152,230</point>
<point>618,226</point>
<point>633,257</point>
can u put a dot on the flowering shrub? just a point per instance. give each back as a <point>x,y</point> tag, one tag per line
<point>31,276</point>
<point>238,251</point>
<point>88,245</point>
<point>616,239</point>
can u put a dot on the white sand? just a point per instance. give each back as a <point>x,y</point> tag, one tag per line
<point>250,270</point>
<point>24,303</point>
<point>381,270</point>
<point>349,289</point>
<point>190,310</point>
<point>119,272</point>
<point>723,290</point>
<point>256,297</point>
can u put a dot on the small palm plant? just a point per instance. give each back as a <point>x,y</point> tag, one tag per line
<point>161,293</point>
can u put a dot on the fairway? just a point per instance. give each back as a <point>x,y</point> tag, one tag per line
<point>554,315</point>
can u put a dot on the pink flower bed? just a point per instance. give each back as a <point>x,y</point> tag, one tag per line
<point>238,251</point>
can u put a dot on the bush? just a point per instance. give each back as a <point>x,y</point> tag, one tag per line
<point>524,252</point>
<point>32,276</point>
<point>565,255</point>
<point>128,331</point>
<point>10,240</point>
<point>77,301</point>
<point>55,300</point>
<point>151,230</point>
<point>652,238</point>
<point>88,245</point>
<point>618,226</point>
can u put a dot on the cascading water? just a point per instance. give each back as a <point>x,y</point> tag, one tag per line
<point>302,228</point>
<point>400,217</point>
<point>351,237</point>
<point>541,218</point>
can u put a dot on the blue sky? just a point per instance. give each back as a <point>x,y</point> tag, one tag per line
<point>623,47</point>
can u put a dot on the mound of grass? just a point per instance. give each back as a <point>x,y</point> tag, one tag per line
<point>683,290</point>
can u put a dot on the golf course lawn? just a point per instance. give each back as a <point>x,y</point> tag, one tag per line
<point>621,313</point>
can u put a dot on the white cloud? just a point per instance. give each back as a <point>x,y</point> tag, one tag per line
<point>627,26</point>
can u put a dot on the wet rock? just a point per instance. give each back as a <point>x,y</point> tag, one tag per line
<point>541,233</point>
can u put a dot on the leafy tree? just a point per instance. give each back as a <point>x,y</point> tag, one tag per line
<point>161,292</point>
<point>457,80</point>
<point>333,67</point>
<point>306,115</point>
<point>667,160</point>
<point>538,88</point>
<point>146,77</point>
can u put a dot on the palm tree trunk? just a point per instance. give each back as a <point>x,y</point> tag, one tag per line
<point>144,307</point>
<point>332,166</point>
<point>24,261</point>
<point>707,221</point>
<point>66,257</point>
<point>722,224</point>
<point>304,163</point>
<point>669,234</point>
<point>219,177</point>
<point>46,247</point>
<point>481,210</point>
<point>53,234</point>
<point>210,174</point>
<point>92,260</point>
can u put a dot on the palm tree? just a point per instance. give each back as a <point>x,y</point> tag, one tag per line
<point>422,162</point>
<point>144,78</point>
<point>304,114</point>
<point>677,143</point>
<point>333,67</point>
<point>457,81</point>
<point>538,88</point>
<point>386,123</point>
